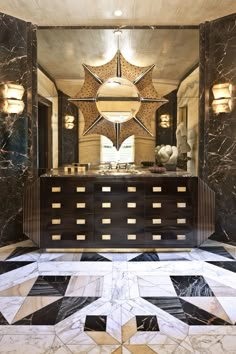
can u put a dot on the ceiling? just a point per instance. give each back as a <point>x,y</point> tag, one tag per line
<point>61,52</point>
<point>100,12</point>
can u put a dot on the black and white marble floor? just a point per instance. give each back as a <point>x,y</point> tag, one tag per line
<point>120,303</point>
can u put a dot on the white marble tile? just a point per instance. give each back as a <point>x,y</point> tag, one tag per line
<point>201,255</point>
<point>58,347</point>
<point>98,349</point>
<point>133,285</point>
<point>17,276</point>
<point>156,286</point>
<point>229,305</point>
<point>78,268</point>
<point>211,330</point>
<point>81,349</point>
<point>26,344</point>
<point>214,344</point>
<point>9,306</point>
<point>85,286</point>
<point>27,257</point>
<point>26,330</point>
<point>164,349</point>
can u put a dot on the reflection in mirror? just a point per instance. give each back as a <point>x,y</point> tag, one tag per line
<point>118,100</point>
<point>175,53</point>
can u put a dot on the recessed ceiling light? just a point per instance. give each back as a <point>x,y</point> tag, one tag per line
<point>118,13</point>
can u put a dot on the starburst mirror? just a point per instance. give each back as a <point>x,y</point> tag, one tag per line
<point>118,99</point>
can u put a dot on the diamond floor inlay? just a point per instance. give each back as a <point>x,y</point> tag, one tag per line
<point>120,303</point>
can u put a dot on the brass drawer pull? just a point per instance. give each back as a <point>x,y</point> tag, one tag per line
<point>80,205</point>
<point>106,237</point>
<point>181,237</point>
<point>181,189</point>
<point>106,221</point>
<point>131,189</point>
<point>80,237</point>
<point>156,189</point>
<point>56,237</point>
<point>56,205</point>
<point>106,189</point>
<point>80,221</point>
<point>131,205</point>
<point>56,221</point>
<point>80,189</point>
<point>56,189</point>
<point>131,221</point>
<point>181,205</point>
<point>156,205</point>
<point>181,221</point>
<point>106,205</point>
<point>156,221</point>
<point>156,237</point>
<point>131,237</point>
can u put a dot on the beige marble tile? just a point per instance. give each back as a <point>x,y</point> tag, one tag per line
<point>101,338</point>
<point>129,329</point>
<point>21,289</point>
<point>34,303</point>
<point>139,349</point>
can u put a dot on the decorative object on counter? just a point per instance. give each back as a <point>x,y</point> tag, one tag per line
<point>223,98</point>
<point>166,155</point>
<point>117,99</point>
<point>147,163</point>
<point>69,122</point>
<point>164,121</point>
<point>157,169</point>
<point>11,98</point>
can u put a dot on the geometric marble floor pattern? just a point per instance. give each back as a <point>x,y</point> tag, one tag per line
<point>121,303</point>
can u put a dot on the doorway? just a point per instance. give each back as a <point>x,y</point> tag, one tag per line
<point>44,135</point>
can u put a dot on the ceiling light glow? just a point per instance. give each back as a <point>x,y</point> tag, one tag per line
<point>118,13</point>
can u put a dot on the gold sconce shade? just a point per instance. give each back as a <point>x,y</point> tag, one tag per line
<point>11,98</point>
<point>223,98</point>
<point>11,106</point>
<point>222,105</point>
<point>165,121</point>
<point>10,90</point>
<point>69,122</point>
<point>222,91</point>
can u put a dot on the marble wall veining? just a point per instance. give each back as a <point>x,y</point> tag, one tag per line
<point>18,135</point>
<point>217,164</point>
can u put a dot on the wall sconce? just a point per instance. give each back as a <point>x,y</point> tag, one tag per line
<point>164,121</point>
<point>222,102</point>
<point>11,98</point>
<point>69,122</point>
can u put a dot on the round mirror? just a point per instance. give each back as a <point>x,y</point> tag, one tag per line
<point>118,100</point>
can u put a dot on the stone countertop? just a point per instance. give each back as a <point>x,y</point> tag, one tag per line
<point>140,173</point>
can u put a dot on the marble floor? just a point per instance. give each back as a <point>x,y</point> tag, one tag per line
<point>120,303</point>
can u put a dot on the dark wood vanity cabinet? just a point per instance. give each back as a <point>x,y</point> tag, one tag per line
<point>118,212</point>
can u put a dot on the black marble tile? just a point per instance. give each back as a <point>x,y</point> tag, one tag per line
<point>191,285</point>
<point>93,257</point>
<point>46,316</point>
<point>70,305</point>
<point>3,321</point>
<point>228,265</point>
<point>95,323</point>
<point>8,266</point>
<point>147,323</point>
<point>50,286</point>
<point>198,317</point>
<point>57,311</point>
<point>19,251</point>
<point>171,305</point>
<point>221,251</point>
<point>146,257</point>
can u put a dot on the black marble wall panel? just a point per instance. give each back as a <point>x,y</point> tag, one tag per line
<point>218,131</point>
<point>67,138</point>
<point>17,146</point>
<point>167,136</point>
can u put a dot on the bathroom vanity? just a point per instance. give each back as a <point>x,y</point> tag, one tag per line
<point>118,211</point>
